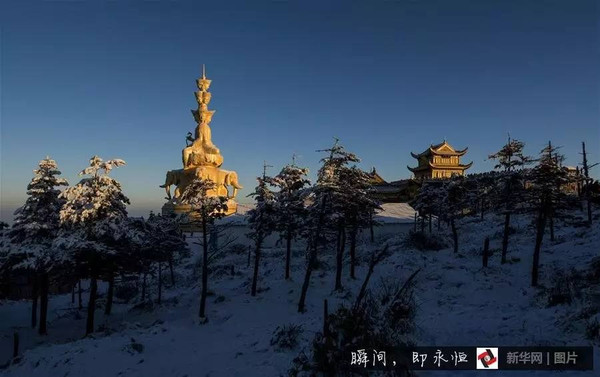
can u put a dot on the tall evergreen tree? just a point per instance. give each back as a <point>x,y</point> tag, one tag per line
<point>511,161</point>
<point>35,227</point>
<point>37,221</point>
<point>262,220</point>
<point>291,209</point>
<point>205,210</point>
<point>358,208</point>
<point>546,197</point>
<point>457,203</point>
<point>166,239</point>
<point>587,182</point>
<point>324,212</point>
<point>429,201</point>
<point>93,218</point>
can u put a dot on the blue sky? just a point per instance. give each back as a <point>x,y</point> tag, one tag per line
<point>116,79</point>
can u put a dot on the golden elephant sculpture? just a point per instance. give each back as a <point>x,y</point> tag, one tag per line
<point>178,179</point>
<point>222,178</point>
<point>181,178</point>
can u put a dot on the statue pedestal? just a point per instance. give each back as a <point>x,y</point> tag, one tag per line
<point>170,208</point>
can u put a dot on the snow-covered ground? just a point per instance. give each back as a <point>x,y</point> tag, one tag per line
<point>459,303</point>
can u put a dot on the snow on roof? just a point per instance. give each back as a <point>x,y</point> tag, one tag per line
<point>395,213</point>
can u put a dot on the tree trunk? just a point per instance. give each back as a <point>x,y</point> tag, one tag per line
<point>73,294</point>
<point>371,228</point>
<point>110,293</point>
<point>309,266</point>
<point>439,226</point>
<point>43,330</point>
<point>486,246</point>
<point>79,294</point>
<point>454,234</point>
<point>353,235</point>
<point>338,262</point>
<point>541,224</point>
<point>505,236</point>
<point>7,280</point>
<point>288,254</point>
<point>34,298</point>
<point>586,186</point>
<point>325,318</point>
<point>204,291</point>
<point>429,223</point>
<point>551,228</point>
<point>144,283</point>
<point>256,264</point>
<point>91,305</point>
<point>15,344</point>
<point>482,208</point>
<point>415,223</point>
<point>340,257</point>
<point>171,270</point>
<point>313,255</point>
<point>363,288</point>
<point>422,224</point>
<point>159,283</point>
<point>249,255</point>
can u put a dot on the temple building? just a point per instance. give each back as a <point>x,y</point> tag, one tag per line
<point>439,161</point>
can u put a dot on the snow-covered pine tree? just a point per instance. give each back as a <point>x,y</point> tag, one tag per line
<point>291,209</point>
<point>139,240</point>
<point>510,187</point>
<point>324,214</point>
<point>458,199</point>
<point>429,201</point>
<point>483,185</point>
<point>546,197</point>
<point>5,265</point>
<point>36,225</point>
<point>37,221</point>
<point>167,241</point>
<point>587,182</point>
<point>205,210</point>
<point>511,156</point>
<point>262,220</point>
<point>344,196</point>
<point>93,219</point>
<point>358,209</point>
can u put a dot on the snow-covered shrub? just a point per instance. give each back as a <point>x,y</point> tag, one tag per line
<point>134,347</point>
<point>592,330</point>
<point>286,337</point>
<point>238,249</point>
<point>424,241</point>
<point>400,309</point>
<point>383,321</point>
<point>594,271</point>
<point>126,291</point>
<point>562,289</point>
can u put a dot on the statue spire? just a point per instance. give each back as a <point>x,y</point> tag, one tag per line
<point>202,151</point>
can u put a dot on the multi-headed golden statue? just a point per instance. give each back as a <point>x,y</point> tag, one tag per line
<point>201,159</point>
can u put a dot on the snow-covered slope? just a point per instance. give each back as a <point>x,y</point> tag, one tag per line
<point>459,303</point>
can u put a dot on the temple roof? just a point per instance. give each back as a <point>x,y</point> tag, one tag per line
<point>431,165</point>
<point>376,179</point>
<point>441,149</point>
<point>395,186</point>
